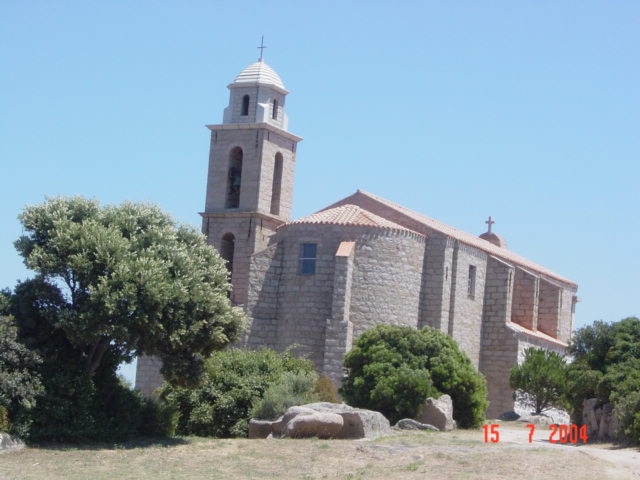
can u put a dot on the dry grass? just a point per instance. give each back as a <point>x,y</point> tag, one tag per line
<point>459,455</point>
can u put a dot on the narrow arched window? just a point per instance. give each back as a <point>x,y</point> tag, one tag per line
<point>274,113</point>
<point>227,248</point>
<point>234,178</point>
<point>276,186</point>
<point>245,105</point>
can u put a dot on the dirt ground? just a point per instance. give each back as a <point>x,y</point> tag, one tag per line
<point>461,454</point>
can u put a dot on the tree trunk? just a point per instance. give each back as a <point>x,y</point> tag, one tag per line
<point>95,356</point>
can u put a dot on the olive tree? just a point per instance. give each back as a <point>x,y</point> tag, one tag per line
<point>129,281</point>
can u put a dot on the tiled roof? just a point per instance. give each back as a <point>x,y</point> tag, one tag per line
<point>411,220</point>
<point>348,215</point>
<point>259,72</point>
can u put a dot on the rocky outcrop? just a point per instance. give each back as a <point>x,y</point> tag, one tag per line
<point>8,443</point>
<point>410,424</point>
<point>438,412</point>
<point>599,418</point>
<point>322,420</point>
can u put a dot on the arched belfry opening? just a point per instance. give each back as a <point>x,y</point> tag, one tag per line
<point>274,112</point>
<point>276,187</point>
<point>234,178</point>
<point>227,249</point>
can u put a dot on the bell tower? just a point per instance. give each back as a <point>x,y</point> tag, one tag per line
<point>251,172</point>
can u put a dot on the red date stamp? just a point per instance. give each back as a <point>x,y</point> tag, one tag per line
<point>558,433</point>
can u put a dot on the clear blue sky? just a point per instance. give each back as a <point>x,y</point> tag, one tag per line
<point>528,111</point>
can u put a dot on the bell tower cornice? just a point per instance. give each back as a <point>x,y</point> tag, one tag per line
<point>255,126</point>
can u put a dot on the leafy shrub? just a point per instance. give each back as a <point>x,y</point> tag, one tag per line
<point>234,381</point>
<point>627,410</point>
<point>4,419</point>
<point>292,388</point>
<point>20,384</point>
<point>326,390</point>
<point>392,369</point>
<point>607,367</point>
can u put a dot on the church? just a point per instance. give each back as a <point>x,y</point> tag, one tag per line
<point>319,281</point>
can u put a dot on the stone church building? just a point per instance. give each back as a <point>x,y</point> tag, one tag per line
<point>320,281</point>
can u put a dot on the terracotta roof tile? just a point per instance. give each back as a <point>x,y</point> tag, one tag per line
<point>348,215</point>
<point>417,222</point>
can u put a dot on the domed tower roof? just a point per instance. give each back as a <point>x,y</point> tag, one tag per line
<point>494,238</point>
<point>261,73</point>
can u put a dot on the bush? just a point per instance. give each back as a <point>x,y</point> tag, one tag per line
<point>393,369</point>
<point>607,367</point>
<point>75,405</point>
<point>292,388</point>
<point>627,410</point>
<point>4,420</point>
<point>326,390</point>
<point>234,381</point>
<point>20,383</point>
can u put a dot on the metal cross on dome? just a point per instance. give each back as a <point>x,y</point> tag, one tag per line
<point>489,222</point>
<point>261,48</point>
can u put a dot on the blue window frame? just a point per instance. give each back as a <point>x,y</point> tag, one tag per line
<point>307,261</point>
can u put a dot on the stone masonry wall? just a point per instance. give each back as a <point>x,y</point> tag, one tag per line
<point>148,376</point>
<point>566,314</point>
<point>384,272</point>
<point>465,311</point>
<point>259,147</point>
<point>499,346</point>
<point>339,329</point>
<point>549,308</point>
<point>262,300</point>
<point>387,280</point>
<point>437,283</point>
<point>525,299</point>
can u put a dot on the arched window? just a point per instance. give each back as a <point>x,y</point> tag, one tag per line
<point>276,186</point>
<point>234,178</point>
<point>245,105</point>
<point>274,113</point>
<point>227,247</point>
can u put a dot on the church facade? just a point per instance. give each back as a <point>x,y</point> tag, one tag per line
<point>320,281</point>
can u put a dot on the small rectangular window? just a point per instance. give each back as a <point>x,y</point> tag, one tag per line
<point>472,282</point>
<point>307,263</point>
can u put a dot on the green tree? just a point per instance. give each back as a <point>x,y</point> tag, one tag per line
<point>393,369</point>
<point>20,384</point>
<point>113,282</point>
<point>606,366</point>
<point>127,280</point>
<point>541,378</point>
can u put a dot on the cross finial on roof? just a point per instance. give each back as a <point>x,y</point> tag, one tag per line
<point>489,222</point>
<point>261,48</point>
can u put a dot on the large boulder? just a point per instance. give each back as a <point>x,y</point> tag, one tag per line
<point>600,421</point>
<point>438,412</point>
<point>358,422</point>
<point>315,424</point>
<point>323,420</point>
<point>260,428</point>
<point>7,442</point>
<point>591,413</point>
